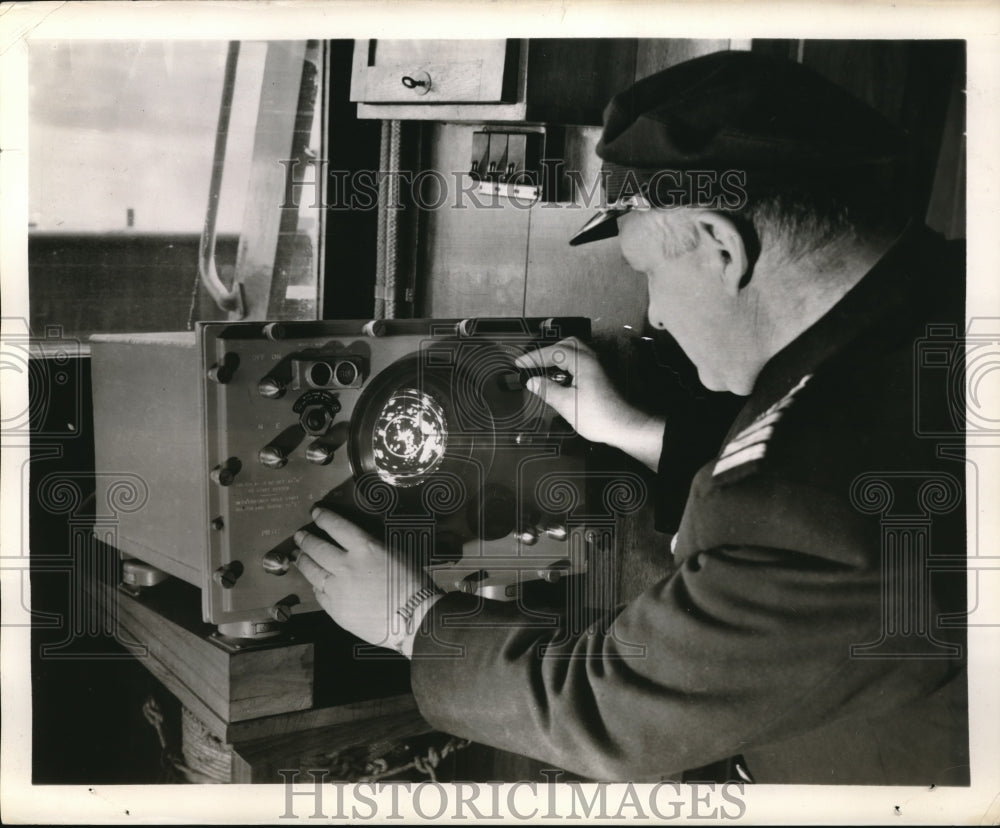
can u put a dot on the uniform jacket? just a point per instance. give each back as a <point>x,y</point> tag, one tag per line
<point>803,627</point>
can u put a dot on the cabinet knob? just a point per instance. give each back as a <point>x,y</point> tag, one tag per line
<point>419,82</point>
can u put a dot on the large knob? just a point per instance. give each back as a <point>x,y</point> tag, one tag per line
<point>272,456</point>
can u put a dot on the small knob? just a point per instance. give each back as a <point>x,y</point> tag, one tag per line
<point>319,452</point>
<point>277,562</point>
<point>272,457</point>
<point>557,531</point>
<point>555,571</point>
<point>419,82</point>
<point>528,536</point>
<point>224,370</point>
<point>225,473</point>
<point>271,388</point>
<point>226,576</point>
<point>280,612</point>
<point>222,475</point>
<point>274,331</point>
<point>376,327</point>
<point>470,583</point>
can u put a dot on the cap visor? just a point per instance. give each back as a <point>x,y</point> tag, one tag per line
<point>604,225</point>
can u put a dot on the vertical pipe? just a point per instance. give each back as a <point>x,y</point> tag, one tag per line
<point>380,252</point>
<point>393,208</point>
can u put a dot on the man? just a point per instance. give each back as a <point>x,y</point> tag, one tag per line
<point>799,638</point>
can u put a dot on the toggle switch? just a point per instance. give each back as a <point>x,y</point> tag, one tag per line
<point>523,153</point>
<point>497,163</point>
<point>480,155</point>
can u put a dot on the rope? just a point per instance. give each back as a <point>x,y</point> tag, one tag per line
<point>426,764</point>
<point>205,758</point>
<point>204,752</point>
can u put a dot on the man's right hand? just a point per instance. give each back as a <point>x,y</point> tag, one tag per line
<point>591,404</point>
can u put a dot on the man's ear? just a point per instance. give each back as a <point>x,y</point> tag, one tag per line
<point>724,236</point>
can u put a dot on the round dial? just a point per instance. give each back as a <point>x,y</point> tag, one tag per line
<point>409,438</point>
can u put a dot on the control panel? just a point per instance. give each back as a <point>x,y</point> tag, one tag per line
<point>421,431</point>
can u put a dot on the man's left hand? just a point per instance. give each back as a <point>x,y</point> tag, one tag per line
<point>359,583</point>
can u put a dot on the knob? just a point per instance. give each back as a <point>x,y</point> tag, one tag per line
<point>271,388</point>
<point>470,583</point>
<point>224,370</point>
<point>320,452</point>
<point>222,475</point>
<point>376,327</point>
<point>226,576</point>
<point>528,536</point>
<point>557,531</point>
<point>272,457</point>
<point>549,575</point>
<point>274,331</point>
<point>282,610</point>
<point>278,562</point>
<point>419,82</point>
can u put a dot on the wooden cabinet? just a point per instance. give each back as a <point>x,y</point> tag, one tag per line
<point>435,71</point>
<point>554,80</point>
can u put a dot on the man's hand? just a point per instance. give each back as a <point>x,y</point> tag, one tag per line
<point>365,588</point>
<point>592,405</point>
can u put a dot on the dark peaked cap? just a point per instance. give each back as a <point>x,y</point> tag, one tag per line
<point>733,114</point>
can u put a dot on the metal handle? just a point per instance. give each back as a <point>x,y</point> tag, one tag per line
<point>230,300</point>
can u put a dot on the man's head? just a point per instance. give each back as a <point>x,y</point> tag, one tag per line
<point>750,192</point>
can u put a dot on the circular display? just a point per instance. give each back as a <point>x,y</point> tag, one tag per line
<point>409,437</point>
<point>320,373</point>
<point>346,373</point>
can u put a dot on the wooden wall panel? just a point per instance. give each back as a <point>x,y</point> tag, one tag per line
<point>590,280</point>
<point>473,254</point>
